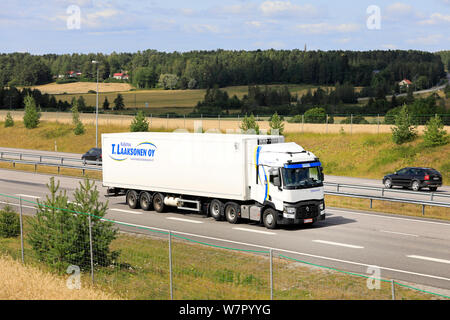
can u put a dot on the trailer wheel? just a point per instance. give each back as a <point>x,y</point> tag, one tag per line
<point>216,209</point>
<point>270,218</point>
<point>232,212</point>
<point>132,199</point>
<point>145,200</point>
<point>158,202</point>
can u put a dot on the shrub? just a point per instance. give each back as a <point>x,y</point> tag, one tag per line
<point>79,129</point>
<point>403,131</point>
<point>276,124</point>
<point>316,115</point>
<point>9,223</point>
<point>356,119</point>
<point>435,134</point>
<point>32,115</point>
<point>140,123</point>
<point>9,122</point>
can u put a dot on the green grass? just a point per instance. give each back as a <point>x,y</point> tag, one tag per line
<point>205,272</point>
<point>371,155</point>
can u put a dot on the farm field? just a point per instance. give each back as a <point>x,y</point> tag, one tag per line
<point>160,101</point>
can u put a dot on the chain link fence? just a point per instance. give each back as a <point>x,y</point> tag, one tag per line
<point>139,262</point>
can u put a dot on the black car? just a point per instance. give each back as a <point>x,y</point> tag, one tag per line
<point>95,154</point>
<point>414,178</point>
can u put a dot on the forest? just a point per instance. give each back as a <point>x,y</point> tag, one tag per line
<point>206,69</point>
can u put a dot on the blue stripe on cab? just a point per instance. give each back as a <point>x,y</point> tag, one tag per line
<point>302,165</point>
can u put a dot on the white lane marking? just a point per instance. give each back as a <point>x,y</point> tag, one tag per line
<point>400,233</point>
<point>27,196</point>
<point>339,244</point>
<point>429,259</point>
<point>255,231</point>
<point>126,211</point>
<point>283,250</point>
<point>393,218</point>
<point>16,205</point>
<point>184,220</point>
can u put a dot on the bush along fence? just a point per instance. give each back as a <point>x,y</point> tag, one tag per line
<point>140,262</point>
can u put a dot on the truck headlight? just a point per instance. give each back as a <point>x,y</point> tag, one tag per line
<point>322,206</point>
<point>290,210</point>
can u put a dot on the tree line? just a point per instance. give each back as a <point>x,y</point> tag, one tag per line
<point>205,69</point>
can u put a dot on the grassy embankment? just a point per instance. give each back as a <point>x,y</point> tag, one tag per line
<point>199,272</point>
<point>357,155</point>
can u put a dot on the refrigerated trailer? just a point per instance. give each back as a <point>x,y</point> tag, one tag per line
<point>226,176</point>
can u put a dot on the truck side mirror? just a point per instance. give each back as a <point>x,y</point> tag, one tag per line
<point>277,181</point>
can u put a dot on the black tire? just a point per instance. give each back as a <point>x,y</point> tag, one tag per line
<point>388,184</point>
<point>232,212</point>
<point>270,218</point>
<point>433,189</point>
<point>216,209</point>
<point>132,199</point>
<point>145,200</point>
<point>158,203</point>
<point>415,185</point>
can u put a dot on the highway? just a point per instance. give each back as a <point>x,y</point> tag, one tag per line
<point>415,250</point>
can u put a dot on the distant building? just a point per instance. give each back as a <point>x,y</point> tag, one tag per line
<point>121,76</point>
<point>405,83</point>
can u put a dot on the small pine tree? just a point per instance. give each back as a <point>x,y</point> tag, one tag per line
<point>106,104</point>
<point>59,235</point>
<point>435,134</point>
<point>119,103</point>
<point>9,122</point>
<point>79,127</point>
<point>140,123</point>
<point>403,131</point>
<point>249,125</point>
<point>32,115</point>
<point>9,223</point>
<point>276,124</point>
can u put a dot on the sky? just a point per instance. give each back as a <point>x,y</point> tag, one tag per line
<point>105,26</point>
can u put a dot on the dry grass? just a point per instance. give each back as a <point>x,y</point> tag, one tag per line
<point>82,87</point>
<point>22,282</point>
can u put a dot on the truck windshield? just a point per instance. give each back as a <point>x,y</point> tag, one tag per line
<point>299,178</point>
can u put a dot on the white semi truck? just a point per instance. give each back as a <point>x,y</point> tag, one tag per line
<point>226,176</point>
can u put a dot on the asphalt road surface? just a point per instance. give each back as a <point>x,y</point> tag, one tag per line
<point>414,250</point>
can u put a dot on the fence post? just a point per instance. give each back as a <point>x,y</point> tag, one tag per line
<point>378,120</point>
<point>271,274</point>
<point>351,124</point>
<point>21,229</point>
<point>170,265</point>
<point>423,209</point>
<point>303,123</point>
<point>90,247</point>
<point>393,289</point>
<point>327,123</point>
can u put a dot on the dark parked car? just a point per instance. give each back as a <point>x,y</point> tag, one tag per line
<point>414,178</point>
<point>95,154</point>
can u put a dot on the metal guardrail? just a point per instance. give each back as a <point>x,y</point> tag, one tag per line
<point>385,190</point>
<point>59,162</point>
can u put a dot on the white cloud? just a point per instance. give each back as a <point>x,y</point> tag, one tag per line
<point>202,28</point>
<point>429,40</point>
<point>274,8</point>
<point>389,46</point>
<point>325,28</point>
<point>399,8</point>
<point>436,18</point>
<point>255,24</point>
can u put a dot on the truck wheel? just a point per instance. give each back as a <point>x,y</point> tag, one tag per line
<point>158,202</point>
<point>270,218</point>
<point>132,199</point>
<point>145,200</point>
<point>232,212</point>
<point>216,209</point>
